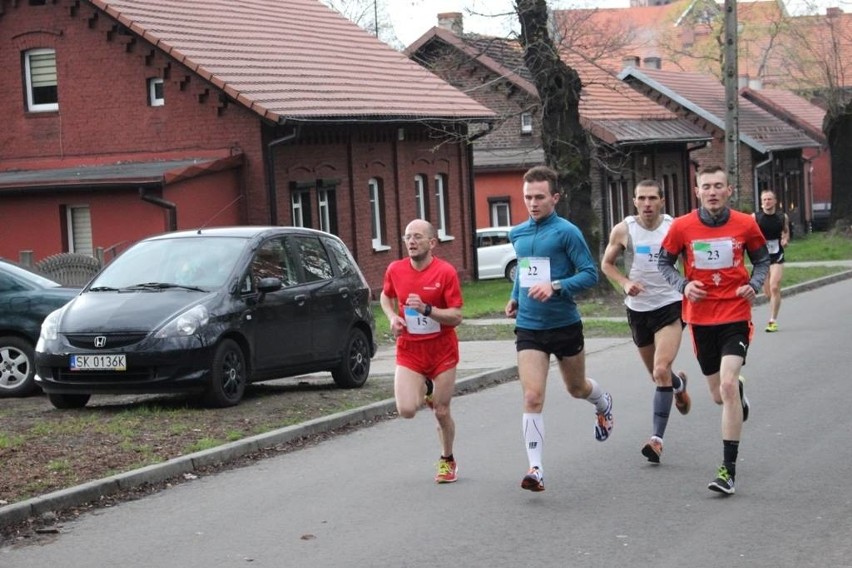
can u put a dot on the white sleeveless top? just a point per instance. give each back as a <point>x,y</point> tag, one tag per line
<point>640,261</point>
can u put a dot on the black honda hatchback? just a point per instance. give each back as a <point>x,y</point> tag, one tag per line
<point>209,311</point>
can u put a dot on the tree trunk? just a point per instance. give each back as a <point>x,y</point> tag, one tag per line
<point>838,130</point>
<point>566,145</point>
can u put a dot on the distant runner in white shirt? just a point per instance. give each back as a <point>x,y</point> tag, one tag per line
<point>653,306</point>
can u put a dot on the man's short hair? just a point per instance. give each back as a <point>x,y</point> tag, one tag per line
<point>709,170</point>
<point>542,173</point>
<point>650,183</point>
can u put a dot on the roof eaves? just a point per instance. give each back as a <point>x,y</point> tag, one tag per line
<point>632,72</point>
<point>452,39</point>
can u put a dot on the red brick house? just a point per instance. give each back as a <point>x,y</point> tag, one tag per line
<point>770,150</point>
<point>633,137</point>
<point>807,117</point>
<point>125,118</point>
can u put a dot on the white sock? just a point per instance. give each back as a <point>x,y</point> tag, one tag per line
<point>533,428</point>
<point>596,397</point>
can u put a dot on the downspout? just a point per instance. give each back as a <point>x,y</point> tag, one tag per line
<point>171,208</point>
<point>272,195</point>
<point>757,166</point>
<point>471,188</point>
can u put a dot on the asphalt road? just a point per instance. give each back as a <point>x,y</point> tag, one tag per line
<point>367,498</point>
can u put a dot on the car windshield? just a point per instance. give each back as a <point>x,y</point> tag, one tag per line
<point>28,276</point>
<point>188,263</point>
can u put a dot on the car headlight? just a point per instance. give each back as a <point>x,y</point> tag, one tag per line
<point>187,323</point>
<point>49,328</point>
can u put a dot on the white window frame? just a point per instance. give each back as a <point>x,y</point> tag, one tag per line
<point>443,217</point>
<point>153,99</point>
<point>324,210</point>
<point>80,241</point>
<point>526,123</point>
<point>375,190</point>
<point>297,208</point>
<point>420,196</point>
<point>28,64</point>
<point>500,209</point>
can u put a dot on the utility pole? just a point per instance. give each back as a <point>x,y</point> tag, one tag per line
<point>732,128</point>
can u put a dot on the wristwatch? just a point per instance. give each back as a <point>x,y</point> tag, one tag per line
<point>556,285</point>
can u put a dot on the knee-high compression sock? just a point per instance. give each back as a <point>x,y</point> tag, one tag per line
<point>662,409</point>
<point>677,383</point>
<point>533,428</point>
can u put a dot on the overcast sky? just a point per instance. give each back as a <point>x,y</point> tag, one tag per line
<point>413,18</point>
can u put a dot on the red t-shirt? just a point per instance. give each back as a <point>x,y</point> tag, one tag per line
<point>715,256</point>
<point>438,285</point>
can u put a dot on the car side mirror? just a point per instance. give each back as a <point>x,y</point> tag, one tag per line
<point>270,284</point>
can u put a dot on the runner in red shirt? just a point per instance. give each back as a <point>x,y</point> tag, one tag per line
<point>421,297</point>
<point>718,293</point>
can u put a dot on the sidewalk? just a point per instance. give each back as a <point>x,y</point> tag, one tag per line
<point>483,363</point>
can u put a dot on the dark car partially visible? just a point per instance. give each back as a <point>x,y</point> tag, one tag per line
<point>208,311</point>
<point>26,298</point>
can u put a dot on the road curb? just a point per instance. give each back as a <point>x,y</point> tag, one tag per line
<point>95,490</point>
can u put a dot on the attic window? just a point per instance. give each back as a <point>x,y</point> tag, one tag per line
<point>155,92</point>
<point>40,74</point>
<point>526,123</point>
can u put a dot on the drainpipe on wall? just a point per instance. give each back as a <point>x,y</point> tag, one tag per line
<point>688,173</point>
<point>472,190</point>
<point>272,194</point>
<point>171,208</point>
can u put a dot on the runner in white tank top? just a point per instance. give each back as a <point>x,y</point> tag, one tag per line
<point>653,306</point>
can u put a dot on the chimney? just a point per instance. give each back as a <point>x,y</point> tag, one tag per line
<point>630,61</point>
<point>451,21</point>
<point>833,12</point>
<point>742,81</point>
<point>755,84</point>
<point>653,63</point>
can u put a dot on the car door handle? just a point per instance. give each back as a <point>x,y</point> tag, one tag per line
<point>344,291</point>
<point>300,299</point>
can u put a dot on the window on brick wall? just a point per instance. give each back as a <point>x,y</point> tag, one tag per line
<point>327,203</point>
<point>377,214</point>
<point>40,80</point>
<point>421,197</point>
<point>300,207</point>
<point>442,196</point>
<point>526,123</point>
<point>79,224</point>
<point>499,212</point>
<point>155,92</point>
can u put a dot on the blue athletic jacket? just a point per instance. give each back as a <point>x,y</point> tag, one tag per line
<point>570,262</point>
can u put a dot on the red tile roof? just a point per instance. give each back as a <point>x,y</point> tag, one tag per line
<point>293,60</point>
<point>611,110</point>
<point>790,108</point>
<point>704,95</point>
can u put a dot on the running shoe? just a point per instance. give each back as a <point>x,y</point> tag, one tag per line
<point>604,421</point>
<point>681,399</point>
<point>447,471</point>
<point>533,480</point>
<point>771,326</point>
<point>723,483</point>
<point>653,449</point>
<point>427,400</point>
<point>744,399</point>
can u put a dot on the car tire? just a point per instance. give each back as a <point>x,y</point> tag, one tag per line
<point>511,269</point>
<point>67,401</point>
<point>355,367</point>
<point>228,376</point>
<point>17,367</point>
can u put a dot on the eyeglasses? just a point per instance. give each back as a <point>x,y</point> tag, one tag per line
<point>417,237</point>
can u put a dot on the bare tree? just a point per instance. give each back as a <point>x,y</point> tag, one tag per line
<point>817,61</point>
<point>566,144</point>
<point>369,15</point>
